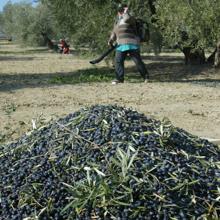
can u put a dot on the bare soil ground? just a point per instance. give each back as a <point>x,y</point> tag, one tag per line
<point>36,84</point>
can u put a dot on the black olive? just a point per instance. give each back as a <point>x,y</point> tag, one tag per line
<point>154,175</point>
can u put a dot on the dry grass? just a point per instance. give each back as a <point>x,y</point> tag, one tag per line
<point>17,60</point>
<point>33,85</point>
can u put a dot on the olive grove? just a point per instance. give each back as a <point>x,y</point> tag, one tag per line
<point>188,25</point>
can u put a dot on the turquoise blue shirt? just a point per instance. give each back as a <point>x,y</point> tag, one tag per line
<point>125,47</point>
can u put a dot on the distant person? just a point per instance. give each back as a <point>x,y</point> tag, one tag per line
<point>65,48</point>
<point>128,44</point>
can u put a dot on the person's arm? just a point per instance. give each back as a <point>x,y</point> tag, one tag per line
<point>113,37</point>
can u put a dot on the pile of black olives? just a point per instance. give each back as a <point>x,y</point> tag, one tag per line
<point>109,162</point>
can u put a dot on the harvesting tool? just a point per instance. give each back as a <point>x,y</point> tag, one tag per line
<point>105,54</point>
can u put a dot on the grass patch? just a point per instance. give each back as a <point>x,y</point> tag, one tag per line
<point>85,76</point>
<point>92,75</point>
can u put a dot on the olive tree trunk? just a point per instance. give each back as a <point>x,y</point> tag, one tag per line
<point>49,42</point>
<point>194,56</point>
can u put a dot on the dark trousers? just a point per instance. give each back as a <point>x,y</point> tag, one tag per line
<point>135,56</point>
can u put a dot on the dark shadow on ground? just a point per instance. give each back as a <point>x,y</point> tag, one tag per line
<point>205,82</point>
<point>2,43</point>
<point>25,52</point>
<point>14,58</point>
<point>40,50</point>
<point>9,82</point>
<point>162,71</point>
<point>163,58</point>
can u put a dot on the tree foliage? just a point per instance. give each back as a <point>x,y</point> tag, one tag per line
<point>25,23</point>
<point>84,22</point>
<point>89,22</point>
<point>198,18</point>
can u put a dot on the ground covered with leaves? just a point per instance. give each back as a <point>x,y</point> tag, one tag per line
<point>109,162</point>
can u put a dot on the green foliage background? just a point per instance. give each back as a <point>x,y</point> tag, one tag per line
<point>199,18</point>
<point>25,23</point>
<point>89,22</point>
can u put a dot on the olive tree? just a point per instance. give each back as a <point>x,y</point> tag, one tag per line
<point>84,22</point>
<point>90,22</point>
<point>194,23</point>
<point>25,23</point>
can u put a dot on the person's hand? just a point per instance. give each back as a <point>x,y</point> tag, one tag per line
<point>110,42</point>
<point>125,10</point>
